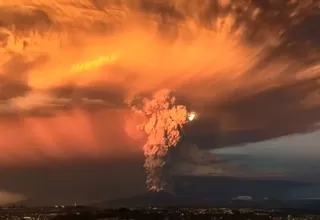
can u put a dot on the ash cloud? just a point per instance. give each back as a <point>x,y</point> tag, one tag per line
<point>164,120</point>
<point>260,117</point>
<point>229,60</point>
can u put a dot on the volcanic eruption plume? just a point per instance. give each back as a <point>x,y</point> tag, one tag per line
<point>66,67</point>
<point>163,122</point>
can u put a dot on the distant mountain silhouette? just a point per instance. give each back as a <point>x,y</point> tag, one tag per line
<point>220,192</point>
<point>164,199</point>
<point>167,200</point>
<point>159,199</point>
<point>222,187</point>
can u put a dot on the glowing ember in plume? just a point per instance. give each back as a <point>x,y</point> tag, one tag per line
<point>192,116</point>
<point>163,124</point>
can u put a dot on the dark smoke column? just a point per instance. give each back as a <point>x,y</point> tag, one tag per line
<point>163,123</point>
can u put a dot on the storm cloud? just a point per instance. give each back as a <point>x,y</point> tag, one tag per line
<point>251,75</point>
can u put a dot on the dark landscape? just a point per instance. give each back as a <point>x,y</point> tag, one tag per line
<point>90,213</point>
<point>229,198</point>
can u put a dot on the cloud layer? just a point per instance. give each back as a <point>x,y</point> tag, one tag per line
<point>67,68</point>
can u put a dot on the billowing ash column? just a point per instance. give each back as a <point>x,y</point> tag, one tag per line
<point>163,124</point>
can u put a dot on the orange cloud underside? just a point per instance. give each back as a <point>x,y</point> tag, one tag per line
<point>216,64</point>
<point>67,136</point>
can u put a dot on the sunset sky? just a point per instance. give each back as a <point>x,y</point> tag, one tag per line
<point>67,69</point>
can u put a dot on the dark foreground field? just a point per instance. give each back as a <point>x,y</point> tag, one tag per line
<point>152,213</point>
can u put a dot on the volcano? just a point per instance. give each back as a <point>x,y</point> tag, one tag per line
<point>166,200</point>
<point>148,199</point>
<point>220,192</point>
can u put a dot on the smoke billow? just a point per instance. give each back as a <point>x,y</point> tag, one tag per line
<point>225,56</point>
<point>163,123</point>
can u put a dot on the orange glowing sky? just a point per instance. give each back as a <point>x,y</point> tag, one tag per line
<point>69,51</point>
<point>68,135</point>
